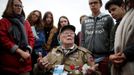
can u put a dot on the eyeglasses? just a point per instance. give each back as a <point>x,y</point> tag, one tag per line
<point>18,5</point>
<point>93,3</point>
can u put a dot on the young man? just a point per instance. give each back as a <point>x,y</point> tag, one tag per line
<point>117,10</point>
<point>123,57</point>
<point>66,54</point>
<point>96,35</point>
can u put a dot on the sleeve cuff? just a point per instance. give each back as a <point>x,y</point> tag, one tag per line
<point>29,48</point>
<point>13,49</point>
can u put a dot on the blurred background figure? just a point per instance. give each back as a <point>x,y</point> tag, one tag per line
<point>63,21</point>
<point>50,31</point>
<point>79,35</point>
<point>35,19</point>
<point>82,18</point>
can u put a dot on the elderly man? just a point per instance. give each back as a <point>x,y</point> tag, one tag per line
<point>67,54</point>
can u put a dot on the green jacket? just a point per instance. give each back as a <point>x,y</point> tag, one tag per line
<point>77,56</point>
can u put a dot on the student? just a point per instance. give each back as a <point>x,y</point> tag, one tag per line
<point>117,10</point>
<point>50,32</point>
<point>96,35</point>
<point>123,57</point>
<point>16,41</point>
<point>35,19</point>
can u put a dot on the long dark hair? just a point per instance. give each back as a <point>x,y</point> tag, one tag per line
<point>59,25</point>
<point>9,9</point>
<point>44,19</point>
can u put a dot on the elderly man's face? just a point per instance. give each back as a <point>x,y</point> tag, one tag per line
<point>67,36</point>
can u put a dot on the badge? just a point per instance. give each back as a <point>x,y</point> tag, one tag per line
<point>58,69</point>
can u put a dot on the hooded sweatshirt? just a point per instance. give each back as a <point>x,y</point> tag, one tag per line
<point>96,34</point>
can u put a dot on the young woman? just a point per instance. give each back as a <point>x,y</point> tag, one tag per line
<point>50,31</point>
<point>63,21</point>
<point>35,19</point>
<point>16,41</point>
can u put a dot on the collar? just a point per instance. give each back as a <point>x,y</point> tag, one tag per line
<point>100,15</point>
<point>68,48</point>
<point>60,48</point>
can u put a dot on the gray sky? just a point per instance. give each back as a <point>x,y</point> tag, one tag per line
<point>73,9</point>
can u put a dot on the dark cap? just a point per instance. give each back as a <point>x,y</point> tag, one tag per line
<point>71,27</point>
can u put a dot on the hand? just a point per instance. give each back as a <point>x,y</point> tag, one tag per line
<point>43,63</point>
<point>40,60</point>
<point>112,57</point>
<point>92,69</point>
<point>121,58</point>
<point>24,54</point>
<point>117,57</point>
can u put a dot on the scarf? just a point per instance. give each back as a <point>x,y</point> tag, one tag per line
<point>124,36</point>
<point>18,32</point>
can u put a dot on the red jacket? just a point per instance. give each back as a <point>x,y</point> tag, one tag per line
<point>11,61</point>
